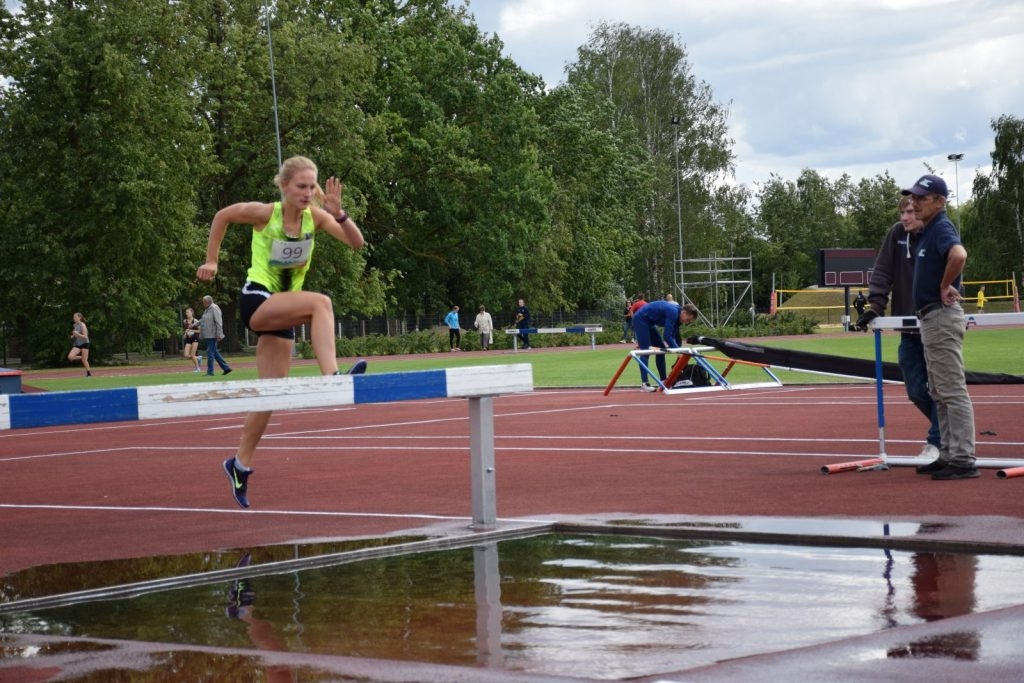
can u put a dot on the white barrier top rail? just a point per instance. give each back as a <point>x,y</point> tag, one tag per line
<point>574,329</point>
<point>21,411</point>
<point>592,330</point>
<point>910,322</point>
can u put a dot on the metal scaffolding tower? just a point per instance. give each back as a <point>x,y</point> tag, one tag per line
<point>724,282</point>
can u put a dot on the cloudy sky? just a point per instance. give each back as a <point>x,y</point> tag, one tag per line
<point>840,86</point>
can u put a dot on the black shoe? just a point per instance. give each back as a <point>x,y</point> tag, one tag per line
<point>239,482</point>
<point>932,467</point>
<point>954,472</point>
<point>227,372</point>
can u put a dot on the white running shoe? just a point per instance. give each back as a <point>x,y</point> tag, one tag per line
<point>929,453</point>
<point>647,387</point>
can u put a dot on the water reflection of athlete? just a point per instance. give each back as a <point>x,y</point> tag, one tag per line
<point>241,605</point>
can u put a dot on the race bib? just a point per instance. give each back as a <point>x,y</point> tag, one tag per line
<point>290,254</point>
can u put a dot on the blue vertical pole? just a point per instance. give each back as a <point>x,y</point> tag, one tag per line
<point>880,394</point>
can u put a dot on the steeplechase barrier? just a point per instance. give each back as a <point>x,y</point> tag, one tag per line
<point>478,384</point>
<point>592,330</point>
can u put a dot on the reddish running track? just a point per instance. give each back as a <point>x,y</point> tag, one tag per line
<point>140,489</point>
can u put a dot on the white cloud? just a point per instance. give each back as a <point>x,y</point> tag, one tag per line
<point>850,86</point>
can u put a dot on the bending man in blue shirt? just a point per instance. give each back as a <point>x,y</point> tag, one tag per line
<point>669,316</point>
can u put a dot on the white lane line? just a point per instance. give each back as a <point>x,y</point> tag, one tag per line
<point>95,451</point>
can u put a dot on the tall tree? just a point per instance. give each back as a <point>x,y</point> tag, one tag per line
<point>463,206</point>
<point>602,180</point>
<point>873,210</point>
<point>647,76</point>
<point>993,228</point>
<point>99,159</point>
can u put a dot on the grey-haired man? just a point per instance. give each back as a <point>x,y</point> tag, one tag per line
<point>211,327</point>
<point>938,265</point>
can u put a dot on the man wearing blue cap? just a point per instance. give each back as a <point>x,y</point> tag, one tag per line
<point>938,266</point>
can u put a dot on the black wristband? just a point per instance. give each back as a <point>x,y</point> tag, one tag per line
<point>342,217</point>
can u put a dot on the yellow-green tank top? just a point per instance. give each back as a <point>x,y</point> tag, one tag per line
<point>280,262</point>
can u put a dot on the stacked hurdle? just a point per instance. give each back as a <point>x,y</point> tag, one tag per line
<point>698,355</point>
<point>478,384</point>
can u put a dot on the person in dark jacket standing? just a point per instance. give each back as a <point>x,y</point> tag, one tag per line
<point>522,317</point>
<point>893,276</point>
<point>860,303</point>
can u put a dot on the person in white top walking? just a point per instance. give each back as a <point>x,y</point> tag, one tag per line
<point>485,326</point>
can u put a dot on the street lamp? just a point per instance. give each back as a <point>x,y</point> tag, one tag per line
<point>677,121</point>
<point>956,159</point>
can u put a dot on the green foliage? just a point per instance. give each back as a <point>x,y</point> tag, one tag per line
<point>800,217</point>
<point>645,77</point>
<point>420,341</point>
<point>874,208</point>
<point>100,156</point>
<point>465,202</point>
<point>993,223</point>
<point>592,243</point>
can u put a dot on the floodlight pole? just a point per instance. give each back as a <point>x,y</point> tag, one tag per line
<point>273,83</point>
<point>678,122</point>
<point>956,159</point>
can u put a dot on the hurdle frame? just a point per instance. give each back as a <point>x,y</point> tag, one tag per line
<point>695,354</point>
<point>592,330</point>
<point>911,324</point>
<point>478,384</point>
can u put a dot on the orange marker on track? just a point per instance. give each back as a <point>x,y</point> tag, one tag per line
<point>852,466</point>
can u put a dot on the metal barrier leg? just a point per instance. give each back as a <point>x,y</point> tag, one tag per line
<point>487,591</point>
<point>481,455</point>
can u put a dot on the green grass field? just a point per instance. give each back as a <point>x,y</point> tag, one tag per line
<point>988,350</point>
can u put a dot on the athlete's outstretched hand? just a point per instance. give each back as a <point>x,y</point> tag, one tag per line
<point>332,196</point>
